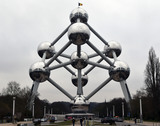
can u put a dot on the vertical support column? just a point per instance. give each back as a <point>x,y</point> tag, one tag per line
<point>79,88</point>
<point>79,51</point>
<point>14,100</point>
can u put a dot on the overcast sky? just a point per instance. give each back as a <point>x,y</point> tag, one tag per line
<point>24,24</point>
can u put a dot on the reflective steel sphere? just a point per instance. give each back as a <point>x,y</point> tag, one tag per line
<point>38,73</point>
<point>78,13</point>
<point>78,33</point>
<point>80,105</point>
<point>79,62</point>
<point>113,46</point>
<point>45,47</point>
<point>120,72</point>
<point>84,79</point>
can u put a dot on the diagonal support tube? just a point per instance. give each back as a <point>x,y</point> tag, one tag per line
<point>60,88</point>
<point>125,91</point>
<point>98,65</point>
<point>44,56</point>
<point>101,54</point>
<point>67,68</point>
<point>60,65</point>
<point>58,53</point>
<point>94,55</point>
<point>91,68</point>
<point>33,93</point>
<point>114,55</point>
<point>63,55</point>
<point>104,41</point>
<point>54,42</point>
<point>98,88</point>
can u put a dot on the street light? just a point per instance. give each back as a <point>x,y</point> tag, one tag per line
<point>33,111</point>
<point>113,110</point>
<point>141,116</point>
<point>51,110</point>
<point>14,100</point>
<point>123,110</point>
<point>44,111</point>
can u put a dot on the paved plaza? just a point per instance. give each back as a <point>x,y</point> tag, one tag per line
<point>125,123</point>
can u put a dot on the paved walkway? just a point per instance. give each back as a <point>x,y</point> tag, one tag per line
<point>11,124</point>
<point>125,123</point>
<point>145,123</point>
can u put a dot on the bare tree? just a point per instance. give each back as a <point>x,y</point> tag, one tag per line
<point>152,75</point>
<point>25,92</point>
<point>152,80</point>
<point>13,88</point>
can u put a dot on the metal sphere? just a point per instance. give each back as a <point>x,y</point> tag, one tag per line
<point>112,46</point>
<point>78,33</point>
<point>80,105</point>
<point>78,13</point>
<point>84,79</point>
<point>46,47</point>
<point>79,62</point>
<point>120,71</point>
<point>38,73</point>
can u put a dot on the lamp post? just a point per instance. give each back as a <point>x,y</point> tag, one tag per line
<point>44,111</point>
<point>113,110</point>
<point>33,111</point>
<point>141,116</point>
<point>14,100</point>
<point>123,110</point>
<point>51,110</point>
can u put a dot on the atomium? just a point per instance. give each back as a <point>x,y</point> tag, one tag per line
<point>79,61</point>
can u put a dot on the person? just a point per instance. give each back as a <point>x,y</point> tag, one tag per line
<point>135,120</point>
<point>84,121</point>
<point>81,120</point>
<point>73,121</point>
